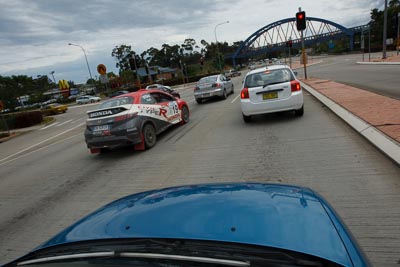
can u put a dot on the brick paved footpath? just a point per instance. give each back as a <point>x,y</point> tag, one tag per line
<point>379,111</point>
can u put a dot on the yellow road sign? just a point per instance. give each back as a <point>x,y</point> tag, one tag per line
<point>101,69</point>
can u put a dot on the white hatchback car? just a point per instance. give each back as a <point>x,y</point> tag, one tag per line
<point>271,89</point>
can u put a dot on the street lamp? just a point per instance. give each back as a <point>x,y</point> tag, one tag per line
<point>87,63</point>
<point>52,74</point>
<point>216,40</point>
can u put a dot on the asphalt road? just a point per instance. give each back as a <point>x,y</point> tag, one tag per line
<point>380,79</point>
<point>50,185</point>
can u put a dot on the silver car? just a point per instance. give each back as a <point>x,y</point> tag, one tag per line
<point>213,86</point>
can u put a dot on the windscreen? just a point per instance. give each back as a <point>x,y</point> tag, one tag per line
<point>115,102</point>
<point>210,79</point>
<point>268,77</point>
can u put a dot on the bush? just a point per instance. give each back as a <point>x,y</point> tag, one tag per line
<point>10,120</point>
<point>26,119</point>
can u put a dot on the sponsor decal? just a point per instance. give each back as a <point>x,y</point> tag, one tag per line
<point>100,113</point>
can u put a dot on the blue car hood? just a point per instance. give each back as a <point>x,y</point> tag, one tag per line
<point>279,216</point>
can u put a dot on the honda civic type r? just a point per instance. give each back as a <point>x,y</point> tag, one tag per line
<point>133,119</point>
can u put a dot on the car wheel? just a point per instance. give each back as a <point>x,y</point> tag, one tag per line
<point>224,95</point>
<point>246,118</point>
<point>92,101</point>
<point>299,112</point>
<point>149,134</point>
<point>185,114</point>
<point>199,101</point>
<point>233,89</point>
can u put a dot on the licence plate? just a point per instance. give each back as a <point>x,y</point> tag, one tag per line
<point>271,95</point>
<point>206,94</point>
<point>101,128</point>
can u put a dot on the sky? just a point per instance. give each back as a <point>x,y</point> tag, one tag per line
<point>34,34</point>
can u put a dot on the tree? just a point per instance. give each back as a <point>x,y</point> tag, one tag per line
<point>122,54</point>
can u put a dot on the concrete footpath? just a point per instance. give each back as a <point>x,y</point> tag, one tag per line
<point>375,117</point>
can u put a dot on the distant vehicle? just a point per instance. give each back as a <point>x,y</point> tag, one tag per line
<point>84,99</point>
<point>52,100</point>
<point>271,89</point>
<point>227,224</point>
<point>252,66</point>
<point>164,88</point>
<point>232,73</point>
<point>213,86</point>
<point>117,93</point>
<point>133,119</point>
<point>157,86</point>
<point>53,109</point>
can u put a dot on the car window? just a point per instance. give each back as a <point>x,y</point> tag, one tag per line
<point>161,97</point>
<point>209,79</point>
<point>114,102</point>
<point>268,77</point>
<point>147,99</point>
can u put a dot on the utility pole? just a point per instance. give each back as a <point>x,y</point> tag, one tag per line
<point>384,31</point>
<point>398,33</point>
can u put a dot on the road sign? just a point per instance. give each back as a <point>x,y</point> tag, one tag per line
<point>103,78</point>
<point>101,69</point>
<point>1,105</point>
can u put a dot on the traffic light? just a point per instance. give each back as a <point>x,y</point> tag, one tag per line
<point>301,20</point>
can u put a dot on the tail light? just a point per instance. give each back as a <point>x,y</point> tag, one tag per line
<point>216,85</point>
<point>295,86</point>
<point>244,94</point>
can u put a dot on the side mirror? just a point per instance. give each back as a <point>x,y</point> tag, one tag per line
<point>228,79</point>
<point>295,73</point>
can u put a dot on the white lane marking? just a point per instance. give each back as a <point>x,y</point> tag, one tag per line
<point>37,150</point>
<point>235,98</point>
<point>63,123</point>
<point>32,146</point>
<point>75,121</point>
<point>48,126</point>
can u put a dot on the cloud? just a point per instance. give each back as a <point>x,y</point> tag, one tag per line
<point>34,34</point>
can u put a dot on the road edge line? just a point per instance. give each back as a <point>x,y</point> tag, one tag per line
<point>384,143</point>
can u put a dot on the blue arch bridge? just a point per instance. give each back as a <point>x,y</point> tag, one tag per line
<point>273,37</point>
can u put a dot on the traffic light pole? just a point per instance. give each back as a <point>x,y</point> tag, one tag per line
<point>303,54</point>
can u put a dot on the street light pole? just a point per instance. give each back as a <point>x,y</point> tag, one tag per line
<point>384,31</point>
<point>87,63</point>
<point>216,40</point>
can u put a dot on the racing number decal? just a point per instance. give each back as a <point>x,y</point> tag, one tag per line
<point>173,112</point>
<point>173,108</point>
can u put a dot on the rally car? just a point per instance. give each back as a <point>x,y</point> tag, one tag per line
<point>133,119</point>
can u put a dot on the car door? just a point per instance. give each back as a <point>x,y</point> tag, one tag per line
<point>228,85</point>
<point>168,107</point>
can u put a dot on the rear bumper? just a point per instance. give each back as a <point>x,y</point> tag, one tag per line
<point>294,102</point>
<point>209,94</point>
<point>116,139</point>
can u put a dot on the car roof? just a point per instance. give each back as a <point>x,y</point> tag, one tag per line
<point>270,67</point>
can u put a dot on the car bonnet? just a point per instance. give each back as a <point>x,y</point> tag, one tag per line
<point>279,216</point>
